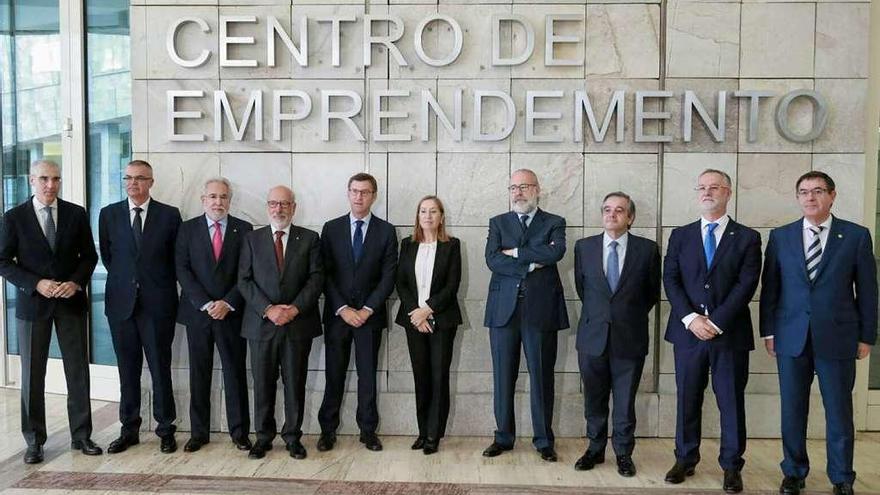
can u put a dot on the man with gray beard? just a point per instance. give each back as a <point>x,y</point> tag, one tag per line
<point>524,310</point>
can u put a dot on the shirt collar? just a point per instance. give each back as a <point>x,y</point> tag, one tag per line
<point>621,241</point>
<point>722,222</point>
<point>143,207</point>
<point>286,230</point>
<point>366,219</point>
<point>826,225</point>
<point>38,206</point>
<point>222,221</point>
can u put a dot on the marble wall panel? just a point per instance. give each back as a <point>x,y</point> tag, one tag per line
<point>561,176</point>
<point>680,173</point>
<point>475,61</point>
<point>556,129</point>
<point>473,185</point>
<point>474,272</point>
<point>157,115</point>
<point>411,176</point>
<point>252,175</point>
<point>258,50</point>
<point>634,174</point>
<point>846,118</point>
<point>307,133</point>
<point>703,39</point>
<point>800,116</point>
<point>410,125</point>
<point>180,177</point>
<point>535,66</point>
<point>848,172</point>
<point>765,187</point>
<point>138,34</point>
<point>190,42</point>
<point>600,92</point>
<point>140,123</point>
<point>707,92</point>
<point>494,115</point>
<point>623,41</point>
<point>239,93</point>
<point>778,40</point>
<point>842,40</point>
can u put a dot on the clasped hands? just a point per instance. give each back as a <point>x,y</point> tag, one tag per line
<point>281,314</point>
<point>419,319</point>
<point>53,288</point>
<point>703,328</point>
<point>355,317</point>
<point>509,252</point>
<point>218,309</point>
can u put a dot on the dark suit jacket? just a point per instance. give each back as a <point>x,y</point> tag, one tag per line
<point>203,279</point>
<point>620,317</point>
<point>261,284</point>
<point>723,289</point>
<point>148,272</point>
<point>839,309</point>
<point>26,258</point>
<point>544,243</point>
<point>446,278</point>
<point>371,281</point>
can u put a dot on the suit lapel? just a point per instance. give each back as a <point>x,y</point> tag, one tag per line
<point>598,262</point>
<point>442,252</point>
<point>794,237</point>
<point>835,239</point>
<point>63,222</point>
<point>292,243</point>
<point>228,240</point>
<point>631,258</point>
<point>34,225</point>
<point>203,239</point>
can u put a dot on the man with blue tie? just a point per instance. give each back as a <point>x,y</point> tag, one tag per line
<point>136,239</point>
<point>524,311</point>
<point>818,315</point>
<point>710,273</point>
<point>360,258</point>
<point>617,277</point>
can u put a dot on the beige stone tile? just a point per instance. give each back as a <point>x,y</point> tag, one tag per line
<point>158,132</point>
<point>410,177</point>
<point>474,272</point>
<point>410,125</point>
<point>475,61</point>
<point>842,40</point>
<point>138,37</point>
<point>307,133</point>
<point>703,39</point>
<point>623,41</point>
<point>179,178</point>
<point>252,175</point>
<point>600,92</point>
<point>800,116</point>
<point>765,188</point>
<point>680,173</point>
<point>561,176</point>
<point>258,49</point>
<point>140,116</point>
<point>848,172</point>
<point>535,66</point>
<point>846,117</point>
<point>494,115</point>
<point>473,185</point>
<point>554,129</point>
<point>191,41</point>
<point>239,93</point>
<point>777,40</point>
<point>634,174</point>
<point>706,91</point>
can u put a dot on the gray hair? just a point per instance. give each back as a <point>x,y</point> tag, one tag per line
<point>525,171</point>
<point>719,172</point>
<point>218,180</point>
<point>292,194</point>
<point>621,194</point>
<point>37,163</point>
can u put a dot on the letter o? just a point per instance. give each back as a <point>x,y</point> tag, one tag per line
<point>820,115</point>
<point>456,49</point>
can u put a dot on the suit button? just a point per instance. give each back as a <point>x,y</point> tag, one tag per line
<point>706,286</point>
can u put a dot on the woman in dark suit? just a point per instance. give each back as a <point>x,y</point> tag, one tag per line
<point>428,276</point>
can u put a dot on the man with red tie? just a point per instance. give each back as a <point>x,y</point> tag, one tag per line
<point>211,307</point>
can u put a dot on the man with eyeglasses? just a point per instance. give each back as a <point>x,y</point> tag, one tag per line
<point>136,238</point>
<point>280,277</point>
<point>818,315</point>
<point>211,307</point>
<point>710,273</point>
<point>360,257</point>
<point>524,311</point>
<point>47,252</point>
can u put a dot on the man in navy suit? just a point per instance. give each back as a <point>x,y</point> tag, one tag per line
<point>525,310</point>
<point>211,307</point>
<point>617,276</point>
<point>47,252</point>
<point>280,277</point>
<point>136,237</point>
<point>360,257</point>
<point>818,315</point>
<point>711,271</point>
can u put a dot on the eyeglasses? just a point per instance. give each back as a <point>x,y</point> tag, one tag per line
<point>282,204</point>
<point>136,178</point>
<point>520,187</point>
<point>816,191</point>
<point>221,197</point>
<point>360,192</point>
<point>712,189</point>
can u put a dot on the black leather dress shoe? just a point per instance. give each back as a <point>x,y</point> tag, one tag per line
<point>733,482</point>
<point>33,454</point>
<point>371,442</point>
<point>418,444</point>
<point>242,443</point>
<point>296,450</point>
<point>791,485</point>
<point>122,444</point>
<point>326,442</point>
<point>168,444</point>
<point>548,454</point>
<point>589,460</point>
<point>87,447</point>
<point>678,473</point>
<point>843,489</point>
<point>625,466</point>
<point>194,444</point>
<point>258,451</point>
<point>495,450</point>
<point>430,446</point>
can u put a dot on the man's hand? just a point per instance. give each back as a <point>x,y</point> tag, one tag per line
<point>702,328</point>
<point>352,317</point>
<point>66,290</point>
<point>508,252</point>
<point>419,316</point>
<point>291,312</point>
<point>424,327</point>
<point>276,314</point>
<point>47,287</point>
<point>364,314</point>
<point>769,345</point>
<point>218,309</point>
<point>864,350</point>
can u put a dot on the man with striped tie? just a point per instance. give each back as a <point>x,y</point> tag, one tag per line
<point>818,315</point>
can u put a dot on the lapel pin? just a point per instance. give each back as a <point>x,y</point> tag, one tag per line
<point>235,230</point>
<point>840,236</point>
<point>731,233</point>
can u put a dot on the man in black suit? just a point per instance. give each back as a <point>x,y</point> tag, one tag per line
<point>360,255</point>
<point>280,276</point>
<point>211,307</point>
<point>617,276</point>
<point>137,238</point>
<point>47,251</point>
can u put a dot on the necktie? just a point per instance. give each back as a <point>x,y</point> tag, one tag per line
<point>279,250</point>
<point>50,227</point>
<point>137,227</point>
<point>612,268</point>
<point>814,253</point>
<point>217,241</point>
<point>357,244</point>
<point>709,243</point>
<point>523,219</point>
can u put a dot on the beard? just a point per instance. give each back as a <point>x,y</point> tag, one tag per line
<point>524,206</point>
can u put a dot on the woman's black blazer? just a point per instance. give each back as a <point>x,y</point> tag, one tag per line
<point>444,284</point>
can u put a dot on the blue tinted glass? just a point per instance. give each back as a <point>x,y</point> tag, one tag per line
<point>35,16</point>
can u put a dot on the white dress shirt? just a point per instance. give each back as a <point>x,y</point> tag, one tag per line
<point>621,251</point>
<point>144,207</point>
<point>718,234</point>
<point>41,215</point>
<point>284,238</point>
<point>823,234</point>
<point>425,270</point>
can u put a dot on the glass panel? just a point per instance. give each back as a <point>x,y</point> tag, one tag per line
<point>874,370</point>
<point>30,113</point>
<point>108,147</point>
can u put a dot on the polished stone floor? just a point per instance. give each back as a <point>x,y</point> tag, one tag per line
<point>350,469</point>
